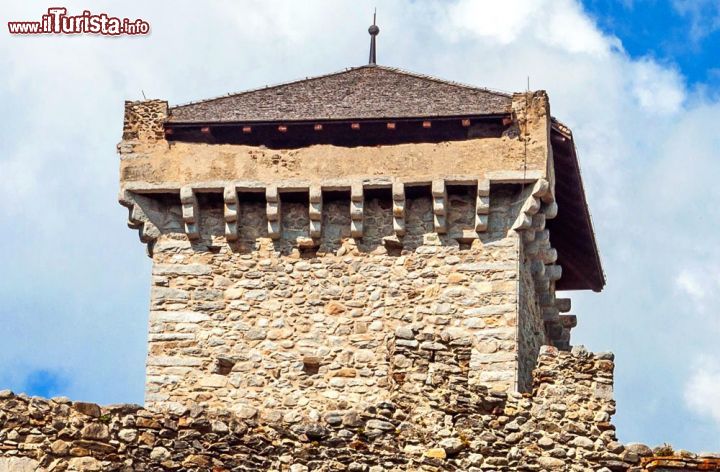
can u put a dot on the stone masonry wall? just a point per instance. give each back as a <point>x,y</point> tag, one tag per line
<point>269,328</point>
<point>531,330</point>
<point>432,420</point>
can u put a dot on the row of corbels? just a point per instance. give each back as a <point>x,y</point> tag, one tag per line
<point>539,207</point>
<point>190,211</point>
<point>188,200</point>
<point>545,272</point>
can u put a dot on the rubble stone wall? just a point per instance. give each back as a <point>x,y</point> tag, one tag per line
<point>267,328</point>
<point>434,419</point>
<point>144,121</point>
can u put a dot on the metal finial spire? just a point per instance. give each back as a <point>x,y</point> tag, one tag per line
<point>374,31</point>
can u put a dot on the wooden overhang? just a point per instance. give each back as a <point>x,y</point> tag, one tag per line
<point>288,134</point>
<point>571,232</point>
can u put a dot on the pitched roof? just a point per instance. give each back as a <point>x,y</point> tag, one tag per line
<point>364,92</point>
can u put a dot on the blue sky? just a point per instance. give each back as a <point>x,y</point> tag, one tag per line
<point>683,33</point>
<point>637,81</point>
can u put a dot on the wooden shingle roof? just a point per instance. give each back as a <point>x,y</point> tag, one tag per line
<point>366,92</point>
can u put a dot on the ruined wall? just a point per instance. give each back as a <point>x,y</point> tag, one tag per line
<point>433,420</point>
<point>260,326</point>
<point>143,124</point>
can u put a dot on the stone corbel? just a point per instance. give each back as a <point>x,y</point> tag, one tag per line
<point>550,210</point>
<point>543,238</point>
<point>398,196</point>
<point>539,194</point>
<point>542,283</point>
<point>541,191</point>
<point>541,249</point>
<point>482,206</point>
<point>272,198</point>
<point>315,211</point>
<point>230,210</point>
<point>356,209</point>
<point>190,213</point>
<point>532,249</point>
<point>553,324</point>
<point>567,322</point>
<point>553,320</point>
<point>537,268</point>
<point>547,299</point>
<point>551,314</point>
<point>554,331</point>
<point>553,272</point>
<point>549,256</point>
<point>137,219</point>
<point>549,207</point>
<point>439,195</point>
<point>150,217</point>
<point>563,304</point>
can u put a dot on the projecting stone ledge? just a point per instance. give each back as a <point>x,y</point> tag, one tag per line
<point>446,425</point>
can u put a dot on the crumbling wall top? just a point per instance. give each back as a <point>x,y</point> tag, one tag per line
<point>563,425</point>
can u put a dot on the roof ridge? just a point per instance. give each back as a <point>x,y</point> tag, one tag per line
<point>445,81</point>
<point>271,86</point>
<point>345,71</point>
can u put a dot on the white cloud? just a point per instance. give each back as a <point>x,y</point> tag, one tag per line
<point>702,390</point>
<point>559,24</point>
<point>21,180</point>
<point>692,284</point>
<point>704,16</point>
<point>700,287</point>
<point>658,89</point>
<point>500,23</point>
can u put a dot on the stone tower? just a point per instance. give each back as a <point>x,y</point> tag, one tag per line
<point>321,243</point>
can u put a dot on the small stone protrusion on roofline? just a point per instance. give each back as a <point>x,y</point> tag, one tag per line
<point>144,121</point>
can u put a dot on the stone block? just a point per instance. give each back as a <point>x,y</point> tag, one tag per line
<point>172,361</point>
<point>178,317</point>
<point>213,381</point>
<point>182,269</point>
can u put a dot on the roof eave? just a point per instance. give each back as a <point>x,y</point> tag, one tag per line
<point>594,279</point>
<point>383,119</point>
